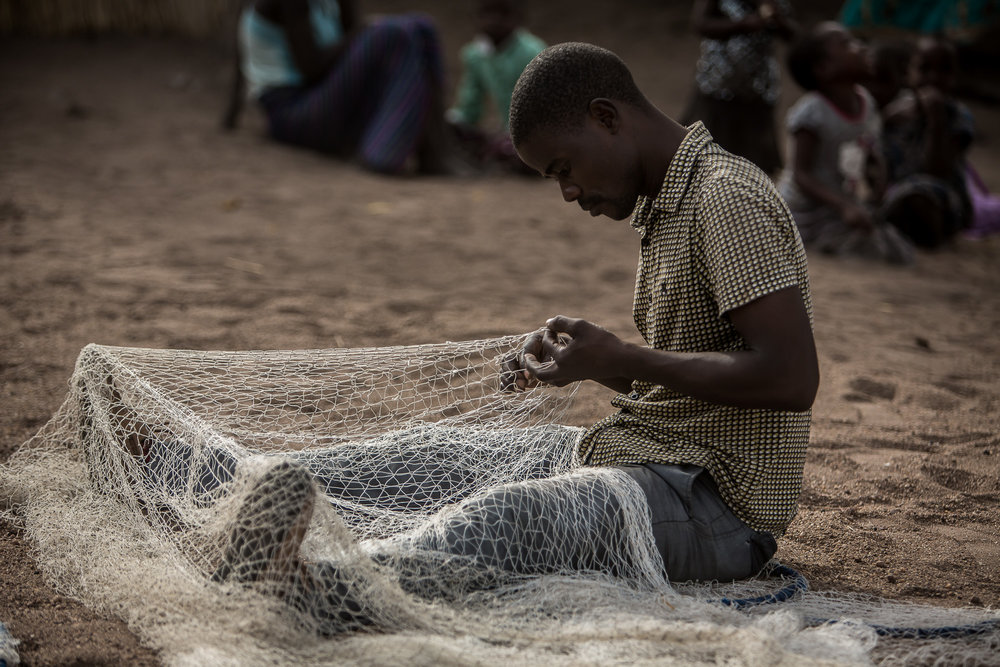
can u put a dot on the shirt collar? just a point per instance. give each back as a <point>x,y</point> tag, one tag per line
<point>668,199</point>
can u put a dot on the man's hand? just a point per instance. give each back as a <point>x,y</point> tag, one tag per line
<point>565,350</point>
<point>515,376</point>
<point>570,349</point>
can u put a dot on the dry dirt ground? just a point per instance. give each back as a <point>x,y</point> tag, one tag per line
<point>128,218</point>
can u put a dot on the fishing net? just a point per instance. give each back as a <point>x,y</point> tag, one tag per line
<point>396,505</point>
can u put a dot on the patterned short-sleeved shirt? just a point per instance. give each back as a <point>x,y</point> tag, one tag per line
<point>716,237</point>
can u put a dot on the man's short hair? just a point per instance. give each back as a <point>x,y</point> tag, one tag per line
<point>557,86</point>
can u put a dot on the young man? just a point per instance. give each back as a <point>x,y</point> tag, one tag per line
<point>708,446</point>
<point>713,417</point>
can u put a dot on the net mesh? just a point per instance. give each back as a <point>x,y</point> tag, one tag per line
<point>388,505</point>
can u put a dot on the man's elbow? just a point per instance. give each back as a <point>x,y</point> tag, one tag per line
<point>800,390</point>
<point>799,403</point>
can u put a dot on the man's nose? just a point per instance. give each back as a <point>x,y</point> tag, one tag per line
<point>570,192</point>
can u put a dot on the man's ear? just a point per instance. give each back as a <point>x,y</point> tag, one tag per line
<point>605,112</point>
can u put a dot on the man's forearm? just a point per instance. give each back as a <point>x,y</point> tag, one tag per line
<point>621,385</point>
<point>744,378</point>
<point>776,367</point>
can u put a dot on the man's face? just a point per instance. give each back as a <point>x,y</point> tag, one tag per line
<point>592,165</point>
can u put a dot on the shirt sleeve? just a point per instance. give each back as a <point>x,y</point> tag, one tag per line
<point>750,244</point>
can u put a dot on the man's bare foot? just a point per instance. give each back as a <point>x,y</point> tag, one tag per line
<point>269,528</point>
<point>264,548</point>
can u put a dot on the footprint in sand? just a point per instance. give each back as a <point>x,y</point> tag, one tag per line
<point>945,395</point>
<point>963,481</point>
<point>866,390</point>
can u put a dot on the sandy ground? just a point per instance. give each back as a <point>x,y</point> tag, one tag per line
<point>128,218</point>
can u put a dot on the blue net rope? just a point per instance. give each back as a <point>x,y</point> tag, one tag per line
<point>796,583</point>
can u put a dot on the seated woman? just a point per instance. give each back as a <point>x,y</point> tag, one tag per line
<point>326,81</point>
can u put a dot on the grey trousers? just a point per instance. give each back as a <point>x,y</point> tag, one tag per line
<point>568,522</point>
<point>545,524</point>
<point>696,533</point>
<point>577,524</point>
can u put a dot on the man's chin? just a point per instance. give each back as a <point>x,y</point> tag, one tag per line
<point>620,209</point>
<point>616,213</point>
<point>611,209</point>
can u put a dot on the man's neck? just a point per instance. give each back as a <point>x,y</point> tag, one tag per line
<point>663,136</point>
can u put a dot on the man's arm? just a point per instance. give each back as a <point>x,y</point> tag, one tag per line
<point>778,370</point>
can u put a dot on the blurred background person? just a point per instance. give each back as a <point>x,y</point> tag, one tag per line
<point>890,73</point>
<point>927,133</point>
<point>365,91</point>
<point>737,78</point>
<point>491,64</point>
<point>973,26</point>
<point>835,179</point>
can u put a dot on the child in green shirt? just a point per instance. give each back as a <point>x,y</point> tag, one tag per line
<point>491,65</point>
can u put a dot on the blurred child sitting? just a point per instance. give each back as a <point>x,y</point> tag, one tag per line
<point>927,133</point>
<point>491,65</point>
<point>835,179</point>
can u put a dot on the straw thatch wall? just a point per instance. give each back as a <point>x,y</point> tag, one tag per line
<point>189,18</point>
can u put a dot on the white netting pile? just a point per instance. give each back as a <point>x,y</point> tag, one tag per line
<point>384,506</point>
